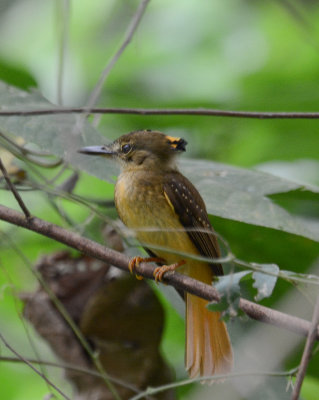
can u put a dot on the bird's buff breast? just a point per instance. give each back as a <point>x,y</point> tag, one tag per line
<point>142,206</point>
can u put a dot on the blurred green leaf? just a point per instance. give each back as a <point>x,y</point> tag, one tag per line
<point>16,76</point>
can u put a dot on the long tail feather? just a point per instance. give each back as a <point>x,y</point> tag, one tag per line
<point>208,347</point>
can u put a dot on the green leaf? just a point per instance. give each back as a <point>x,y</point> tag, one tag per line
<point>231,281</point>
<point>300,202</point>
<point>18,76</point>
<point>232,286</point>
<point>265,283</point>
<point>229,288</point>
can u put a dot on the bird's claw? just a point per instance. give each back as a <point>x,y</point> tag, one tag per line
<point>159,272</point>
<point>135,262</point>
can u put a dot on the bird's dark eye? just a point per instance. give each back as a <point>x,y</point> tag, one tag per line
<point>126,148</point>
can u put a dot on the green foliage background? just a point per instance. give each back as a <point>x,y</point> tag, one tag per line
<point>240,55</point>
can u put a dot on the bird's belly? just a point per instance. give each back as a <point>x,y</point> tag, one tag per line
<point>147,213</point>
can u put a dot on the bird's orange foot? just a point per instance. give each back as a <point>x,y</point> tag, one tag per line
<point>135,262</point>
<point>160,271</point>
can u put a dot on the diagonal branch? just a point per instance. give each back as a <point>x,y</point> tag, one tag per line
<point>182,282</point>
<point>311,338</point>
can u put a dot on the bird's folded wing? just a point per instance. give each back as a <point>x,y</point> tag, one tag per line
<point>190,208</point>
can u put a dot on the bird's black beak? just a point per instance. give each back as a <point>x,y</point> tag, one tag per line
<point>97,151</point>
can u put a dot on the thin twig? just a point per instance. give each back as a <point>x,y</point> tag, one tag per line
<point>301,278</point>
<point>154,390</point>
<point>127,39</point>
<point>22,149</point>
<point>311,338</point>
<point>71,367</point>
<point>183,282</point>
<point>209,112</point>
<point>14,191</point>
<point>33,368</point>
<point>20,152</point>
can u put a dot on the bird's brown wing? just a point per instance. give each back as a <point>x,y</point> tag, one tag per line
<point>191,210</point>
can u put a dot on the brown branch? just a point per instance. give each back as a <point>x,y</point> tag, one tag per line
<point>33,368</point>
<point>14,191</point>
<point>209,112</point>
<point>311,338</point>
<point>93,249</point>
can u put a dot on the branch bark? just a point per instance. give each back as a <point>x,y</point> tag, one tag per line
<point>182,282</point>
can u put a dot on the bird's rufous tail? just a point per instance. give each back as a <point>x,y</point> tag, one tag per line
<point>208,347</point>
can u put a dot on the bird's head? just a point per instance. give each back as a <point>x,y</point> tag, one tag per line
<point>141,149</point>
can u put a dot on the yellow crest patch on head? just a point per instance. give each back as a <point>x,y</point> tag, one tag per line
<point>177,144</point>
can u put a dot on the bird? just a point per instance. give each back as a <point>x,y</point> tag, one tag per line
<point>170,220</point>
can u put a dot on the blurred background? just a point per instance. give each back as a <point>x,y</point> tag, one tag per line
<point>231,55</point>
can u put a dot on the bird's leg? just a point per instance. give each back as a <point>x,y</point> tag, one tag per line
<point>135,262</point>
<point>160,271</point>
